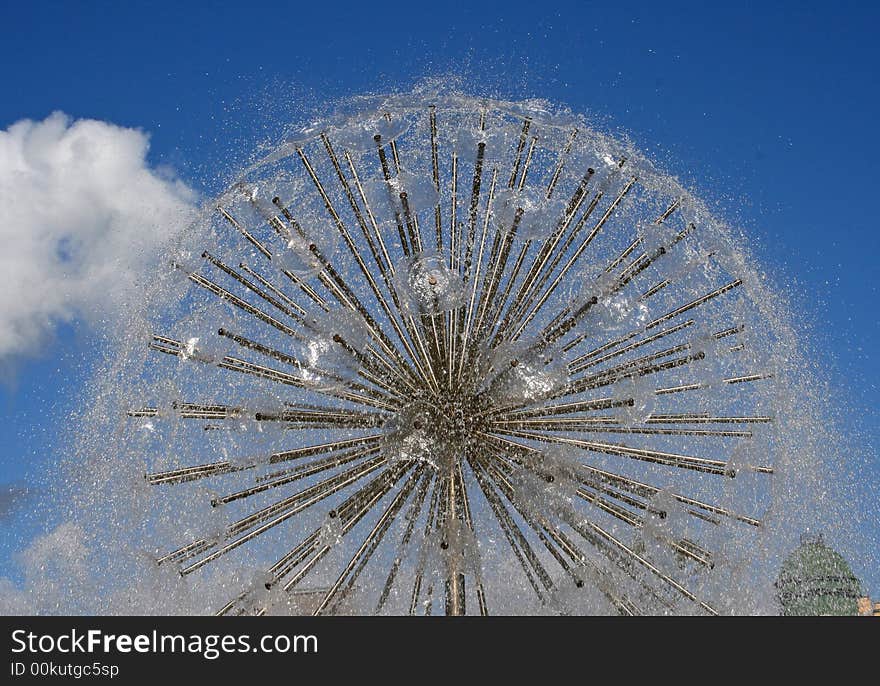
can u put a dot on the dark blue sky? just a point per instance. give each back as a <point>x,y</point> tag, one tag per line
<point>769,110</point>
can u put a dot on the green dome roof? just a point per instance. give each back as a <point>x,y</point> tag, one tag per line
<point>816,580</point>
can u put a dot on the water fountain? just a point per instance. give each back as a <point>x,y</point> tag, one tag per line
<point>442,354</point>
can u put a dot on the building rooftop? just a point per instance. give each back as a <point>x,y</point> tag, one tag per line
<point>816,580</point>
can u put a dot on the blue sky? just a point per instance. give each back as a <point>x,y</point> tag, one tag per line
<point>766,109</point>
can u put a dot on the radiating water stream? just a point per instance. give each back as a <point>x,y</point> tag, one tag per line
<point>445,354</point>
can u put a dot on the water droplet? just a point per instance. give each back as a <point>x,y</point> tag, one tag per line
<point>427,286</point>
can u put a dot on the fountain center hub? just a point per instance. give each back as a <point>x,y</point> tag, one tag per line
<point>440,430</point>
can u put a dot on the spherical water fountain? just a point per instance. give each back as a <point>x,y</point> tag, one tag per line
<point>454,355</point>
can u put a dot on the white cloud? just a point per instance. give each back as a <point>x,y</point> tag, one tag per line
<point>54,567</point>
<point>86,569</point>
<point>82,215</point>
